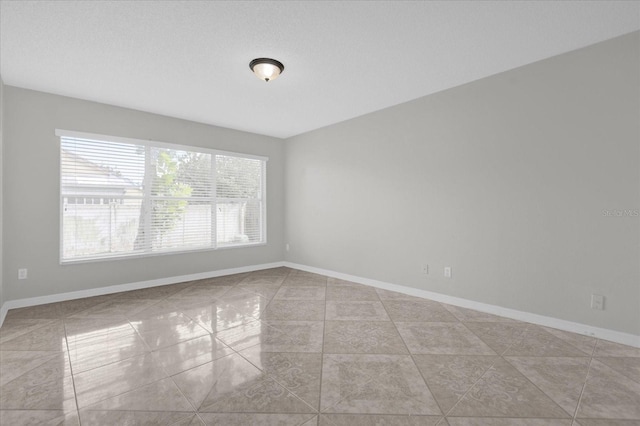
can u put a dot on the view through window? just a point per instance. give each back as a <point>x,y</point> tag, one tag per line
<point>123,197</point>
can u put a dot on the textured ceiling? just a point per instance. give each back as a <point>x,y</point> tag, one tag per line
<point>189,59</point>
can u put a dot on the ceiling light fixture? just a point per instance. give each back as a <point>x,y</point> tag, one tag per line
<point>266,69</point>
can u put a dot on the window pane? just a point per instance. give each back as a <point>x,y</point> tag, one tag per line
<point>180,223</point>
<point>239,222</point>
<point>238,177</point>
<point>181,173</point>
<point>95,229</point>
<point>139,197</point>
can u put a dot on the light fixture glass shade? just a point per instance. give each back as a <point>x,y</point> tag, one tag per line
<point>266,69</point>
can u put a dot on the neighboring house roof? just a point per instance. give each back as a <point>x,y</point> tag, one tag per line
<point>91,175</point>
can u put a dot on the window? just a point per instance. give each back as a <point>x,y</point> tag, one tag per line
<point>123,197</point>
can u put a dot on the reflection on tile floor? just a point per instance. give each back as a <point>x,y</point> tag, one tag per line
<point>287,347</point>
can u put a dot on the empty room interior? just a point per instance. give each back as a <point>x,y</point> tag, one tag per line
<point>320,213</point>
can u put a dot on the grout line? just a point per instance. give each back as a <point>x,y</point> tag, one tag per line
<point>586,378</point>
<point>324,328</point>
<point>73,380</point>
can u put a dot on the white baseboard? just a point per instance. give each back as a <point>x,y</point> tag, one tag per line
<point>574,327</point>
<point>61,297</point>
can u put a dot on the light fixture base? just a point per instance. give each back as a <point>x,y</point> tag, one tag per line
<point>266,69</point>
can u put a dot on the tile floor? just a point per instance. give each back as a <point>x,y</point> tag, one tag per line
<point>286,347</point>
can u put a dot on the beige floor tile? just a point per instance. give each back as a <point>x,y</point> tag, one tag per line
<point>276,346</point>
<point>629,367</point>
<point>159,292</point>
<point>493,421</point>
<point>449,377</point>
<point>281,271</point>
<point>38,417</point>
<point>298,372</point>
<point>12,328</point>
<point>220,315</point>
<point>48,337</point>
<point>104,382</point>
<point>338,282</point>
<point>76,306</point>
<point>374,384</point>
<point>113,417</point>
<point>364,337</point>
<point>162,395</point>
<point>606,422</point>
<point>585,343</point>
<point>498,336</point>
<point>96,329</point>
<point>202,291</point>
<point>267,290</point>
<point>305,279</point>
<point>115,308</point>
<point>504,392</point>
<point>262,280</point>
<point>232,384</point>
<point>14,364</point>
<point>441,338</point>
<point>104,349</point>
<point>48,386</point>
<point>469,315</point>
<point>48,311</point>
<point>160,332</point>
<point>242,419</point>
<point>604,348</point>
<point>537,342</point>
<point>300,293</point>
<point>394,295</point>
<point>293,310</point>
<point>418,310</point>
<point>193,420</point>
<point>249,304</point>
<point>378,420</point>
<point>561,378</point>
<point>609,394</point>
<point>276,336</point>
<point>191,353</point>
<point>354,292</point>
<point>355,311</point>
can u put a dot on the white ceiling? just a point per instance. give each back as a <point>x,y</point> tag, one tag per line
<point>190,59</point>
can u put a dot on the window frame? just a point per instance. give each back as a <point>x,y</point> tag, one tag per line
<point>61,133</point>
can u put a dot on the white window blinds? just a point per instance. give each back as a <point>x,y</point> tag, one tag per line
<point>128,197</point>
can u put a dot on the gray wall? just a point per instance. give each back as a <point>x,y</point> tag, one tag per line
<point>31,195</point>
<point>504,179</point>
<point>1,186</point>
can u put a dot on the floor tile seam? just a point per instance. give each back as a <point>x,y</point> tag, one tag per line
<point>584,384</point>
<point>88,407</point>
<point>78,372</point>
<point>625,374</point>
<point>195,409</point>
<point>483,341</point>
<point>48,358</point>
<point>498,358</point>
<point>513,417</point>
<point>324,411</point>
<point>322,353</point>
<point>73,379</point>
<point>395,327</point>
<point>571,416</point>
<point>502,356</point>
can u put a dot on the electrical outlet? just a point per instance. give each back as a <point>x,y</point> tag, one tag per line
<point>597,302</point>
<point>286,247</point>
<point>22,274</point>
<point>447,271</point>
<point>425,269</point>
